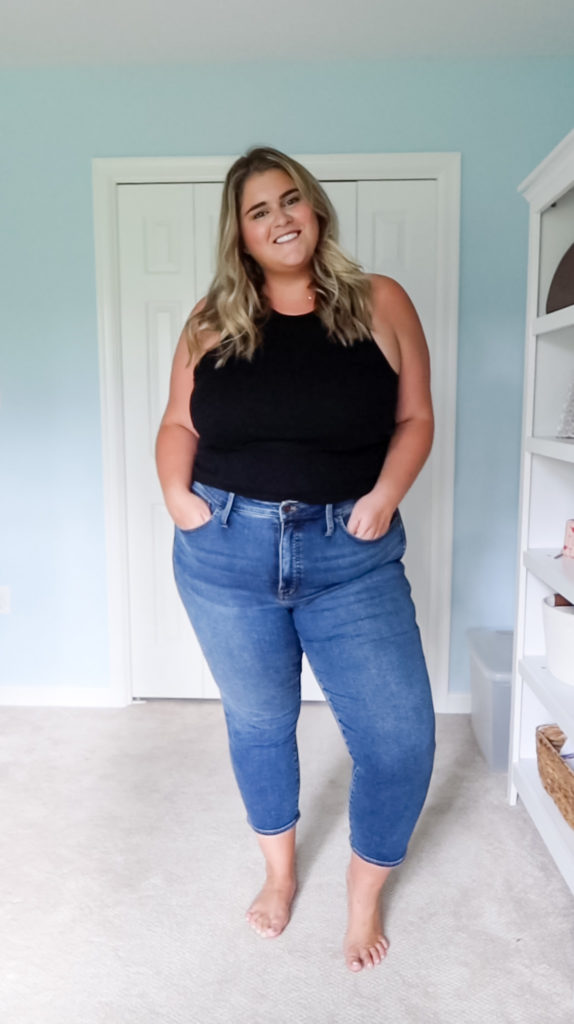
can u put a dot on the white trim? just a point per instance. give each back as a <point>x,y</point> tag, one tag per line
<point>102,697</point>
<point>445,364</point>
<point>552,178</point>
<point>61,697</point>
<point>445,168</point>
<point>457,704</point>
<point>113,455</point>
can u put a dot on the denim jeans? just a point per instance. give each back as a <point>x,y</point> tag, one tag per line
<point>264,581</point>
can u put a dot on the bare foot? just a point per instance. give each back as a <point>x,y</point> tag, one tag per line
<point>270,911</point>
<point>365,944</point>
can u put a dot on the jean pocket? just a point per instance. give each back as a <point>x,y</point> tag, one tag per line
<point>395,528</point>
<point>202,492</point>
<point>342,519</point>
<point>201,527</point>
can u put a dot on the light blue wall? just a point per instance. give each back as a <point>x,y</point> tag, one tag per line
<point>503,115</point>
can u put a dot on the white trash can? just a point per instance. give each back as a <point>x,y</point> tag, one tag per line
<point>490,686</point>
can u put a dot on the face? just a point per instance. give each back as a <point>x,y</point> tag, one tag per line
<point>279,227</point>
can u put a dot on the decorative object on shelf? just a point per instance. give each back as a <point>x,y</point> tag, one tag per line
<point>555,772</point>
<point>558,615</point>
<point>566,428</point>
<point>568,547</point>
<point>561,292</point>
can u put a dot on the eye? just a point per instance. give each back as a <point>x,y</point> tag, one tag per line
<point>258,214</point>
<point>293,199</point>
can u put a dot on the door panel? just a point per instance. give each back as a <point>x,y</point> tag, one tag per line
<point>157,274</point>
<point>397,236</point>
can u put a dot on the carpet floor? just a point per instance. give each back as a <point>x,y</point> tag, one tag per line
<point>127,866</point>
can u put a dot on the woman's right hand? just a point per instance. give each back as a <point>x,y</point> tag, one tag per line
<point>188,510</point>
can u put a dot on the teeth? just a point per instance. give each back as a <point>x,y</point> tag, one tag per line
<point>286,238</point>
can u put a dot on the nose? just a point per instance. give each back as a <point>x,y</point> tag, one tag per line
<point>283,215</point>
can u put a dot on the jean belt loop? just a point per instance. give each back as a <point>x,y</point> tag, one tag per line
<point>227,508</point>
<point>329,520</point>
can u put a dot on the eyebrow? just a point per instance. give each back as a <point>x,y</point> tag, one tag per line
<point>264,202</point>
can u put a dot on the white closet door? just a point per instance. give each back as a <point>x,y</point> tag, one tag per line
<point>397,236</point>
<point>167,237</point>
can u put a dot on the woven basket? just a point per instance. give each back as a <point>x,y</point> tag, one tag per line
<point>556,775</point>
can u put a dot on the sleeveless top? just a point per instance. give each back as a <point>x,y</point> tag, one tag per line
<point>308,419</point>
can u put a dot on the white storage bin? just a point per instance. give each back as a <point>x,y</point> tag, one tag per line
<point>490,685</point>
<point>559,634</point>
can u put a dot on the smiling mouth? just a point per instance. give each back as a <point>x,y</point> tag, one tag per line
<point>290,237</point>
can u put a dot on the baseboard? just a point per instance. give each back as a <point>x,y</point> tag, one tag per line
<point>59,697</point>
<point>102,697</point>
<point>456,704</point>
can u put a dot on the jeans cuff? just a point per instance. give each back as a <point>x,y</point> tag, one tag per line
<point>379,863</point>
<point>275,831</point>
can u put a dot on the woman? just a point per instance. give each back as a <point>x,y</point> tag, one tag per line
<point>299,415</point>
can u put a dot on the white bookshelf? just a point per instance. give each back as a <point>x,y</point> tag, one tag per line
<point>551,447</point>
<point>546,498</point>
<point>556,573</point>
<point>553,321</point>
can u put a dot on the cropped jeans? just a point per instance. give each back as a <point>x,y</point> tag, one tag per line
<point>263,582</point>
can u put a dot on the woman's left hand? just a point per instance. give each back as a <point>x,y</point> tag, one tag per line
<point>371,517</point>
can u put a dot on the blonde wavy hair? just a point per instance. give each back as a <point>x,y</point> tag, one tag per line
<point>235,306</point>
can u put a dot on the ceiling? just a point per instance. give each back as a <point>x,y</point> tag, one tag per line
<point>76,33</point>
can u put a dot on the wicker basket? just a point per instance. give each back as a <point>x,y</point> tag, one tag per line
<point>556,775</point>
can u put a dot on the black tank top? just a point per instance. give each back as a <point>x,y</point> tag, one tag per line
<point>308,418</point>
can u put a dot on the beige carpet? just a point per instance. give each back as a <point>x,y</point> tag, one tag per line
<point>126,868</point>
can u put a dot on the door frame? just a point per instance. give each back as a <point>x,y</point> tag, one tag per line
<point>108,174</point>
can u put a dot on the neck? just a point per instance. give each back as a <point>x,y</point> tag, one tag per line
<point>292,294</point>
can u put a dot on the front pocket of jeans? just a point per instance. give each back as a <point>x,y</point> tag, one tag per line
<point>396,528</point>
<point>202,526</point>
<point>359,540</point>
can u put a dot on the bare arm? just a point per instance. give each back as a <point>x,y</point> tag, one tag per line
<point>176,447</point>
<point>412,439</point>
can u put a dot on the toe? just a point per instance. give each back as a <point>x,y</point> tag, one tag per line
<point>365,957</point>
<point>354,961</point>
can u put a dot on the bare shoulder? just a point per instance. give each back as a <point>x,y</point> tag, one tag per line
<point>390,300</point>
<point>394,313</point>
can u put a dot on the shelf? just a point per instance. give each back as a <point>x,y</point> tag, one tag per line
<point>557,697</point>
<point>555,832</point>
<point>554,321</point>
<point>561,448</point>
<point>557,573</point>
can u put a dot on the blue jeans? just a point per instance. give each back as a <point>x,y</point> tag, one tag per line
<point>264,581</point>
